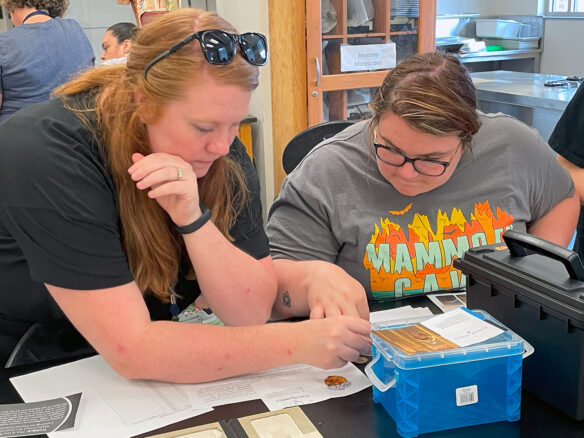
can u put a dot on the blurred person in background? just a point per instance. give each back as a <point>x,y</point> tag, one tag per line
<point>117,42</point>
<point>42,52</point>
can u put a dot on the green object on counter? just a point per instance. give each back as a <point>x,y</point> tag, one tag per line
<point>494,48</point>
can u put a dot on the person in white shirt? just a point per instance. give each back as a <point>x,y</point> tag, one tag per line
<point>117,42</point>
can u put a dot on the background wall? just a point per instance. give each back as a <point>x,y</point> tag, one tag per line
<point>95,17</point>
<point>5,23</point>
<point>464,6</point>
<point>246,16</point>
<point>563,52</point>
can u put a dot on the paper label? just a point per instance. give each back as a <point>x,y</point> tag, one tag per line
<point>467,395</point>
<point>367,57</point>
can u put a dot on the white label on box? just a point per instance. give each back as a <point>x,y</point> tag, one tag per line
<point>367,57</point>
<point>468,395</point>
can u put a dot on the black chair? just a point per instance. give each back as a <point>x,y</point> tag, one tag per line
<point>43,342</point>
<point>302,143</point>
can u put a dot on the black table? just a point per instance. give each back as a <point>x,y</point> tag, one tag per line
<point>356,416</point>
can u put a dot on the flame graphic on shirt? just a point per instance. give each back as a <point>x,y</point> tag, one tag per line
<point>400,212</point>
<point>420,260</point>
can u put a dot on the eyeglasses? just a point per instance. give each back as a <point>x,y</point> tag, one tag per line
<point>423,166</point>
<point>219,47</point>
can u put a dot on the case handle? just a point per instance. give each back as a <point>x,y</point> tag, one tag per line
<point>518,243</point>
<point>373,377</point>
<point>527,349</point>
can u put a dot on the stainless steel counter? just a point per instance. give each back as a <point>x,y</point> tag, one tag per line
<point>524,96</point>
<point>500,55</point>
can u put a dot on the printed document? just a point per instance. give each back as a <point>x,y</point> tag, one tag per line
<point>111,406</point>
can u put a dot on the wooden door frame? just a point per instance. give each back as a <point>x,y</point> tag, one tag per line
<point>287,45</point>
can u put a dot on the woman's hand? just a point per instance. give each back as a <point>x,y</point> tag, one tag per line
<point>331,292</point>
<point>319,289</point>
<point>332,342</point>
<point>172,183</point>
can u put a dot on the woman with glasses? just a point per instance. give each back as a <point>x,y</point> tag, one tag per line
<point>380,210</point>
<point>130,198</point>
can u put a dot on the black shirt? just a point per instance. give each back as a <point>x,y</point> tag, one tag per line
<point>59,222</point>
<point>568,141</point>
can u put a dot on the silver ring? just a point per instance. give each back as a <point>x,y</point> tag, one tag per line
<point>179,173</point>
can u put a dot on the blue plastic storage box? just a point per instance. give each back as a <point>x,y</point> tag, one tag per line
<point>428,392</point>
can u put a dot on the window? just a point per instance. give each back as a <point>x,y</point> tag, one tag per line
<point>564,8</point>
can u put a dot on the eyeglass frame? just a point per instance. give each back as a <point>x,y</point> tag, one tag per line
<point>197,36</point>
<point>407,159</point>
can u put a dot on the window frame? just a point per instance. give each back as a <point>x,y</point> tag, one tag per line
<point>569,14</point>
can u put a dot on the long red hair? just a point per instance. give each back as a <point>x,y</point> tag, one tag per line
<point>151,245</point>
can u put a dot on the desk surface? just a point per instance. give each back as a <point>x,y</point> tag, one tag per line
<point>525,89</point>
<point>357,416</point>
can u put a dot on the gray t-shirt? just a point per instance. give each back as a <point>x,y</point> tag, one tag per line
<point>37,57</point>
<point>336,206</point>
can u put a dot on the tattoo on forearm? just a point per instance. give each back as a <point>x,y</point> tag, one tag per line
<point>286,300</point>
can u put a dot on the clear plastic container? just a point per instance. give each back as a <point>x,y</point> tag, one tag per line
<point>428,392</point>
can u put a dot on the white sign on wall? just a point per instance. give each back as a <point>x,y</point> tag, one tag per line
<point>367,57</point>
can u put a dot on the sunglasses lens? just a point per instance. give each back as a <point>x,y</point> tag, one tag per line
<point>254,48</point>
<point>218,47</point>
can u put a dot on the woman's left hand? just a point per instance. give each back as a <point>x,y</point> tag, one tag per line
<point>172,183</point>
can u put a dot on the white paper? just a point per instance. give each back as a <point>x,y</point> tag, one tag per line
<point>239,389</point>
<point>402,314</point>
<point>462,327</point>
<point>280,387</point>
<point>313,385</point>
<point>116,407</point>
<point>111,406</point>
<point>449,301</point>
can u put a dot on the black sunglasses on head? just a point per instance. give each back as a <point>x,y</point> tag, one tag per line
<point>219,47</point>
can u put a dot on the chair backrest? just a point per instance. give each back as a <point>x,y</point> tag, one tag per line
<point>302,143</point>
<point>48,341</point>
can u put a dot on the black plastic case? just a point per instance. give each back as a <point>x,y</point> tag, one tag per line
<point>536,288</point>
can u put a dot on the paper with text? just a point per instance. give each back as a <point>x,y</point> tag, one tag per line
<point>112,406</point>
<point>273,386</point>
<point>117,407</point>
<point>462,327</point>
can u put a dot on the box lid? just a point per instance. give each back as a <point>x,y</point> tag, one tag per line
<point>536,277</point>
<point>506,344</point>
